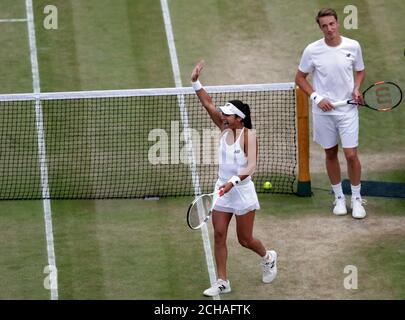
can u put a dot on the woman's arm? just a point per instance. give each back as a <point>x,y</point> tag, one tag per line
<point>251,151</point>
<point>204,97</point>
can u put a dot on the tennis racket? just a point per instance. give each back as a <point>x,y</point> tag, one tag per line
<point>200,210</point>
<point>381,96</point>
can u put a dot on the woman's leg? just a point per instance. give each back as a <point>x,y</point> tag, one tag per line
<point>244,229</point>
<point>220,221</point>
<point>245,236</point>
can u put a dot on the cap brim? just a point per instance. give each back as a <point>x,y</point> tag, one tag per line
<point>226,110</point>
<point>229,109</point>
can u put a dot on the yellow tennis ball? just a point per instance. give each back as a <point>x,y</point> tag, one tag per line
<point>267,185</point>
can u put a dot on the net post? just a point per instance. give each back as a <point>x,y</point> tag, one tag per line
<point>304,180</point>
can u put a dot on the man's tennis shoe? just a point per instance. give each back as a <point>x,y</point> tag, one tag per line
<point>340,206</point>
<point>218,287</point>
<point>269,266</point>
<point>358,210</point>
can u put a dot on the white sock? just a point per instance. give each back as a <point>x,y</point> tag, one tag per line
<point>267,256</point>
<point>337,190</point>
<point>356,191</point>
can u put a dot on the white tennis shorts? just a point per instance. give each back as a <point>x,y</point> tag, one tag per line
<point>328,129</point>
<point>239,200</point>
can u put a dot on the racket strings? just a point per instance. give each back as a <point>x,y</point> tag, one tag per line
<point>200,211</point>
<point>383,96</point>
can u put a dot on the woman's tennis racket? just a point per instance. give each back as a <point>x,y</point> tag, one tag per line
<point>200,210</point>
<point>381,96</point>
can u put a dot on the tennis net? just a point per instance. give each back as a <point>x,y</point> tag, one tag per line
<point>136,143</point>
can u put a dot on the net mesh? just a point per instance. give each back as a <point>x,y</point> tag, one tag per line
<point>135,144</point>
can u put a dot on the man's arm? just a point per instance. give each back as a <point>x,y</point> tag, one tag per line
<point>302,82</point>
<point>358,80</point>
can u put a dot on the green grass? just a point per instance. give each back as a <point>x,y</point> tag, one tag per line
<point>103,45</point>
<point>23,251</point>
<point>322,197</point>
<point>15,57</point>
<point>287,206</point>
<point>389,175</point>
<point>381,267</point>
<point>11,9</point>
<point>127,249</point>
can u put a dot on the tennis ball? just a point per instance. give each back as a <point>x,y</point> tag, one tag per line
<point>267,185</point>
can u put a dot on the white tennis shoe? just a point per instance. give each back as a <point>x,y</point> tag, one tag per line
<point>269,266</point>
<point>218,287</point>
<point>340,206</point>
<point>358,210</point>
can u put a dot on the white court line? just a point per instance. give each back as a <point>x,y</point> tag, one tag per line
<point>42,153</point>
<point>187,136</point>
<point>12,20</point>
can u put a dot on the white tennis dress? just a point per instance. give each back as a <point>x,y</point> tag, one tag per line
<point>242,198</point>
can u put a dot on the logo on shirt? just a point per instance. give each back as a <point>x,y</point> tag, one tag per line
<point>237,151</point>
<point>348,55</point>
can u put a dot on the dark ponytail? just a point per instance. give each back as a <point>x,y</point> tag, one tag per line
<point>247,122</point>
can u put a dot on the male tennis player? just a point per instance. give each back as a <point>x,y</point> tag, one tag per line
<point>237,162</point>
<point>332,61</point>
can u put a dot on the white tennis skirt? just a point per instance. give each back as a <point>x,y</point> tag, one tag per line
<point>239,200</point>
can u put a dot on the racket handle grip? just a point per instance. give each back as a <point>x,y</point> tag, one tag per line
<point>221,192</point>
<point>340,103</point>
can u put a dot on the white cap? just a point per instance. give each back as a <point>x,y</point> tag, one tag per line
<point>229,109</point>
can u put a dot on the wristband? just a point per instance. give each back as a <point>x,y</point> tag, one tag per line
<point>234,180</point>
<point>196,85</point>
<point>316,97</point>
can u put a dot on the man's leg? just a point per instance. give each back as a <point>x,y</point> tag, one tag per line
<point>354,172</point>
<point>353,165</point>
<point>334,173</point>
<point>326,134</point>
<point>332,165</point>
<point>349,134</point>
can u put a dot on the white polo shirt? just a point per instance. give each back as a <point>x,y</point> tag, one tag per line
<point>332,70</point>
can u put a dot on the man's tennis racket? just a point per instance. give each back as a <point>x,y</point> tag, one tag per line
<point>200,210</point>
<point>381,96</point>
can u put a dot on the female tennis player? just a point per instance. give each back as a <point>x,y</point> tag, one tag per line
<point>237,162</point>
